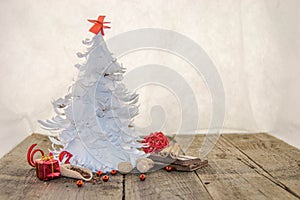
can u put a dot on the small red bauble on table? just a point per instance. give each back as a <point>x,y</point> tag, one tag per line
<point>79,183</point>
<point>142,177</point>
<point>155,142</point>
<point>168,168</point>
<point>99,173</point>
<point>105,178</point>
<point>113,172</point>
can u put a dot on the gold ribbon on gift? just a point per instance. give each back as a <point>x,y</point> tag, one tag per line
<point>44,159</point>
<point>47,158</point>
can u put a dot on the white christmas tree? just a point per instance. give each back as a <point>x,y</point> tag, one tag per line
<point>94,121</point>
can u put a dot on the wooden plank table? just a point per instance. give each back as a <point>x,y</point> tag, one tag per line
<point>241,166</point>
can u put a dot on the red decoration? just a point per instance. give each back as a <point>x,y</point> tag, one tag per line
<point>63,154</point>
<point>30,154</point>
<point>79,183</point>
<point>99,173</point>
<point>168,168</point>
<point>113,172</point>
<point>105,178</point>
<point>46,167</point>
<point>98,25</point>
<point>155,142</point>
<point>142,177</point>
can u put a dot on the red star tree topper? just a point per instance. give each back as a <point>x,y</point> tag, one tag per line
<point>98,25</point>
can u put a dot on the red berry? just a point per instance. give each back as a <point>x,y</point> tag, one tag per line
<point>113,172</point>
<point>168,168</point>
<point>99,173</point>
<point>105,178</point>
<point>142,177</point>
<point>79,183</point>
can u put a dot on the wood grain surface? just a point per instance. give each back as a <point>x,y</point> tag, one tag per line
<point>251,166</point>
<point>18,179</point>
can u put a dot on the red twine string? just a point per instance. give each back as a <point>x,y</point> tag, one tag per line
<point>155,142</point>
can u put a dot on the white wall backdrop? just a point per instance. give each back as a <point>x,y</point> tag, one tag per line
<point>254,44</point>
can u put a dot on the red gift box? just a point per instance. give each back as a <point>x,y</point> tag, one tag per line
<point>47,168</point>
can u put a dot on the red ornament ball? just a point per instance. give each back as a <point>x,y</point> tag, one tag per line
<point>99,173</point>
<point>105,178</point>
<point>79,183</point>
<point>168,168</point>
<point>113,172</point>
<point>142,177</point>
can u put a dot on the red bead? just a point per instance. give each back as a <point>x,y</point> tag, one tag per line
<point>79,183</point>
<point>142,177</point>
<point>113,172</point>
<point>168,168</point>
<point>99,173</point>
<point>105,178</point>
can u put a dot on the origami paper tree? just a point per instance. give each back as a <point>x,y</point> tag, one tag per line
<point>94,121</point>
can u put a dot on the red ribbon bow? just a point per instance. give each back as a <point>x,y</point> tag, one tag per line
<point>98,25</point>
